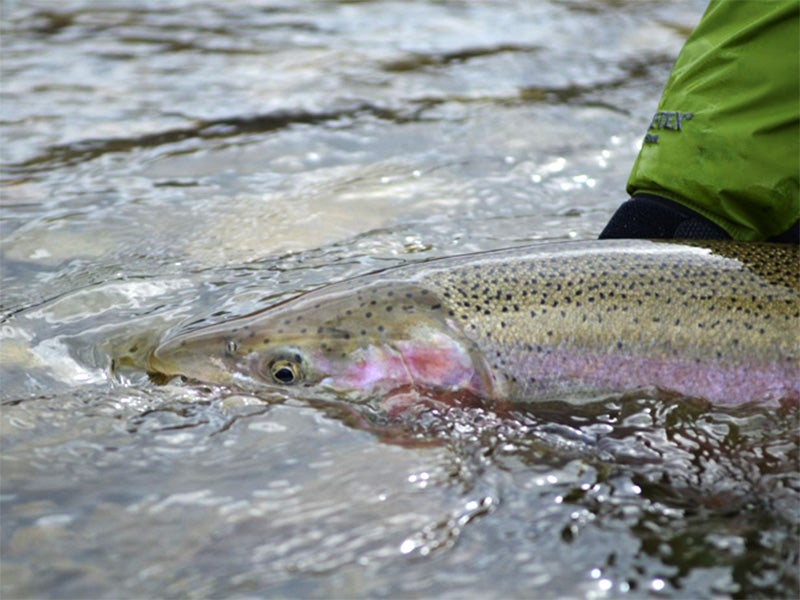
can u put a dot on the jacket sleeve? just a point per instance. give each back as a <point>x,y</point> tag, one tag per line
<point>725,140</point>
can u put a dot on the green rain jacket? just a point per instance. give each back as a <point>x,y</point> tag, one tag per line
<point>725,139</point>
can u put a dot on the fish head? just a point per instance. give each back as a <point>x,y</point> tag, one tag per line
<point>358,342</point>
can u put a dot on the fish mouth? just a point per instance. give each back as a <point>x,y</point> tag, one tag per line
<point>166,361</point>
<point>160,371</point>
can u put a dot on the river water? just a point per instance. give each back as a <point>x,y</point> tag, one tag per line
<point>174,163</point>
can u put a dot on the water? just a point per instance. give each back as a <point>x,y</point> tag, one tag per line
<point>176,163</point>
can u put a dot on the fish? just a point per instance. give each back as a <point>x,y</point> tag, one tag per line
<point>717,321</point>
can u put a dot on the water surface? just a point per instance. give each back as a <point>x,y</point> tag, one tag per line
<point>168,165</point>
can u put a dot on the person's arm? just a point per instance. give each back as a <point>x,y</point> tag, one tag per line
<point>721,156</point>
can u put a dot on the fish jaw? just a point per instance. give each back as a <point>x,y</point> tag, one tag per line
<point>178,358</point>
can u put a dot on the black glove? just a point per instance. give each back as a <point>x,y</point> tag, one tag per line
<point>648,216</point>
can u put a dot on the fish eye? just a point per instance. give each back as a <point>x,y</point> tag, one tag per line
<point>286,371</point>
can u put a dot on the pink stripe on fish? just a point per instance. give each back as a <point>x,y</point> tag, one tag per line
<point>562,371</point>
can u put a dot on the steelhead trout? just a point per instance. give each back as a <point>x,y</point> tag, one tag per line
<point>718,321</point>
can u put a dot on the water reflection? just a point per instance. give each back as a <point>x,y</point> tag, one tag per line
<point>672,492</point>
<point>170,163</point>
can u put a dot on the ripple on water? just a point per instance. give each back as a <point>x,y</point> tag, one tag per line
<point>241,496</point>
<point>162,170</point>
